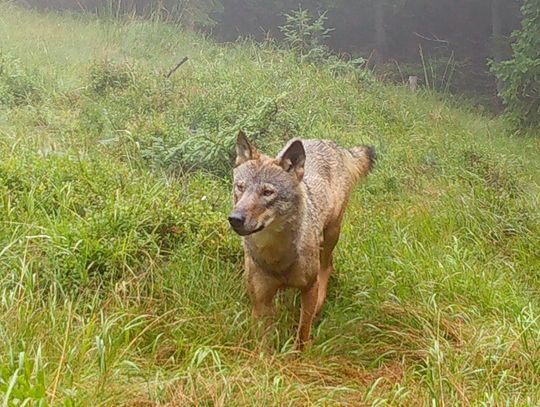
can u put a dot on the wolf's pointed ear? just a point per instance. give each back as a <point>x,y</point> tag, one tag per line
<point>293,159</point>
<point>245,151</point>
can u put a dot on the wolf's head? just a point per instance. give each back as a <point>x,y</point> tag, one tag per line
<point>265,190</point>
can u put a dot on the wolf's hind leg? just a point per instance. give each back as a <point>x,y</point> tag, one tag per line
<point>309,307</point>
<point>324,276</point>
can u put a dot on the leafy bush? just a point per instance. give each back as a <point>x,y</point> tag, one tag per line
<point>17,86</point>
<point>305,35</point>
<point>107,75</point>
<point>521,74</point>
<point>22,382</point>
<point>176,133</point>
<point>208,143</point>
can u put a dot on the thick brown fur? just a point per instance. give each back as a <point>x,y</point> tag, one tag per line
<point>289,211</point>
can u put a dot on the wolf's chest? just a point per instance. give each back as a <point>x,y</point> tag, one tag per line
<point>272,258</point>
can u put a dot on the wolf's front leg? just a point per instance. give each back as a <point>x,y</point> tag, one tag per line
<point>262,300</point>
<point>309,308</point>
<point>261,290</point>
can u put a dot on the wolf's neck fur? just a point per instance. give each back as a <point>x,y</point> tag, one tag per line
<point>275,248</point>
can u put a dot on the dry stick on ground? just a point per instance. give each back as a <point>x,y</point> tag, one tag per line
<point>435,39</point>
<point>178,65</point>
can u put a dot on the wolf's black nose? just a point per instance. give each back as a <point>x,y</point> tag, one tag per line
<point>236,220</point>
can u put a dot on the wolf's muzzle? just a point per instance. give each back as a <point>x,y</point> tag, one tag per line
<point>237,220</point>
<point>238,223</point>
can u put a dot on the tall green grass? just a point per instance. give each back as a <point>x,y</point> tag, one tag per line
<point>120,283</point>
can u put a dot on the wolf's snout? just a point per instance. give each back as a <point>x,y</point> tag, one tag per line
<point>237,220</point>
<point>242,226</point>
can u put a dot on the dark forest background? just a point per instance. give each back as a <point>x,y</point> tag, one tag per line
<point>447,44</point>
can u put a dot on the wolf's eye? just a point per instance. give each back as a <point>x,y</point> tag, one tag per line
<point>268,192</point>
<point>240,187</point>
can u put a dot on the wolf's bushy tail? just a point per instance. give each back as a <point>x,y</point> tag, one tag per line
<point>362,160</point>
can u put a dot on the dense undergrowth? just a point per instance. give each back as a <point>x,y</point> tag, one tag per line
<point>120,283</point>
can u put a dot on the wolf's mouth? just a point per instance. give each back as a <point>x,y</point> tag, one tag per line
<point>249,232</point>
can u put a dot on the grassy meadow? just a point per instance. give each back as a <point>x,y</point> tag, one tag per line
<point>121,283</point>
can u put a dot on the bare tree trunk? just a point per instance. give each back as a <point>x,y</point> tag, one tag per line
<point>496,38</point>
<point>496,29</point>
<point>380,32</point>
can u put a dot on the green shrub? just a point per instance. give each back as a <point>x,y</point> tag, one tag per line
<point>22,382</point>
<point>107,75</point>
<point>521,74</point>
<point>305,35</point>
<point>17,86</point>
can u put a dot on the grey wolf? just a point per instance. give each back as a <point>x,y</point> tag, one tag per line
<point>289,211</point>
